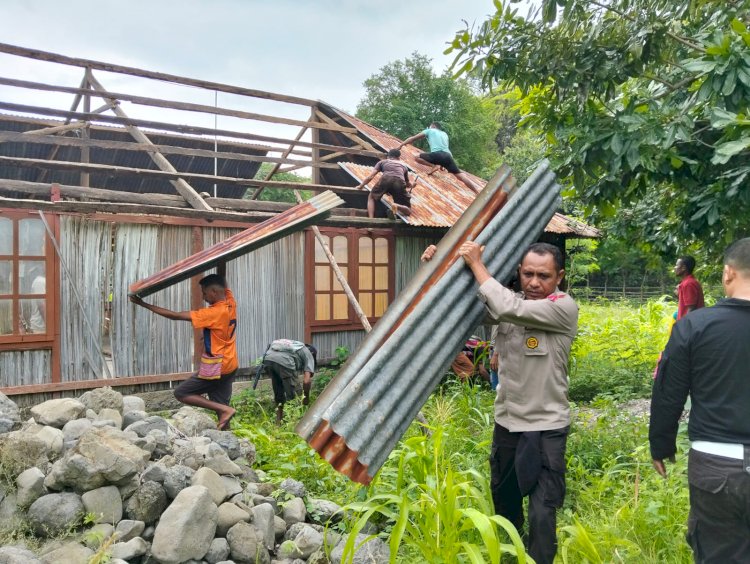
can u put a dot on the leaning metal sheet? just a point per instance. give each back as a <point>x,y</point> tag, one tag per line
<point>289,221</point>
<point>365,410</point>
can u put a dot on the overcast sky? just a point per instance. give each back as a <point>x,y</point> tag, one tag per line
<point>319,49</point>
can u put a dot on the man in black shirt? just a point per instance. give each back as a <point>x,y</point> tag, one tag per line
<point>708,357</point>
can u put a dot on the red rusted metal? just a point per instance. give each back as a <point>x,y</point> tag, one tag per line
<point>293,219</point>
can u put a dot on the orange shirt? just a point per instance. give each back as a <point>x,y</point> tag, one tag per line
<point>219,322</point>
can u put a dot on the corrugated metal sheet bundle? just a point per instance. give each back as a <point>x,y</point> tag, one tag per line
<point>366,409</point>
<point>277,227</point>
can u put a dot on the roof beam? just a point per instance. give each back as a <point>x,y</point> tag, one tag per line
<point>275,168</point>
<point>185,106</point>
<point>132,71</point>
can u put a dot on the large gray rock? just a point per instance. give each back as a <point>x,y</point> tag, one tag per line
<point>104,503</point>
<point>9,414</point>
<point>130,550</point>
<point>72,553</point>
<point>374,551</point>
<point>322,511</point>
<point>73,430</point>
<point>220,463</point>
<point>53,440</point>
<point>130,417</point>
<point>294,511</point>
<point>154,473</point>
<point>226,440</point>
<point>263,515</point>
<point>11,516</point>
<point>211,481</point>
<point>53,514</point>
<point>293,487</point>
<point>142,428</point>
<point>228,516</point>
<point>247,452</point>
<point>102,456</point>
<point>192,422</point>
<point>162,443</point>
<point>17,555</point>
<point>307,541</point>
<point>232,485</point>
<point>132,403</point>
<point>246,544</point>
<point>218,551</point>
<point>147,503</point>
<point>101,398</point>
<point>279,528</point>
<point>20,450</point>
<point>186,528</point>
<point>29,486</point>
<point>128,529</point>
<point>176,479</point>
<point>109,414</point>
<point>57,412</point>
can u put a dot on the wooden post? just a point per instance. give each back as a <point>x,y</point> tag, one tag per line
<point>85,132</point>
<point>339,275</point>
<point>185,190</point>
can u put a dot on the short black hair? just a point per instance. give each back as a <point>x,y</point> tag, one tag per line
<point>688,262</point>
<point>738,255</point>
<point>212,280</point>
<point>394,153</point>
<point>437,124</point>
<point>314,353</point>
<point>546,249</point>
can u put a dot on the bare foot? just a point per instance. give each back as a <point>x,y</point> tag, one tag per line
<point>433,170</point>
<point>225,418</point>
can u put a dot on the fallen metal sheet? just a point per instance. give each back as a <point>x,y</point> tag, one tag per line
<point>367,407</point>
<point>300,216</point>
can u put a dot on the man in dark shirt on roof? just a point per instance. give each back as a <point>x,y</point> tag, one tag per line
<point>395,181</point>
<point>440,154</point>
<point>708,356</point>
<point>689,291</point>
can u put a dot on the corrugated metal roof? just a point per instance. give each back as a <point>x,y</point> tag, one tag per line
<point>257,236</point>
<point>365,410</point>
<point>133,159</point>
<point>439,199</point>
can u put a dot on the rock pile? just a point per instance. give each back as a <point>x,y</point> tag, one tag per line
<point>97,479</point>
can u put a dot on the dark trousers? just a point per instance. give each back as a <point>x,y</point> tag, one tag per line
<point>719,521</point>
<point>544,499</point>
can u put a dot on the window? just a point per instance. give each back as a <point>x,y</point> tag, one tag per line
<point>25,278</point>
<point>366,261</point>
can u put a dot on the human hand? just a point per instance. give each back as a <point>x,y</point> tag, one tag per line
<point>137,300</point>
<point>428,253</point>
<point>660,467</point>
<point>494,362</point>
<point>471,252</point>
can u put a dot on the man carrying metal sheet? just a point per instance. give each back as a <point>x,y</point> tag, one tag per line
<point>219,360</point>
<point>440,154</point>
<point>532,415</point>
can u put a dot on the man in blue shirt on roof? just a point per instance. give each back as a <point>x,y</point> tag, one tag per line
<point>440,154</point>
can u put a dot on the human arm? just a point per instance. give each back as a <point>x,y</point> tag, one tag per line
<point>366,180</point>
<point>669,393</point>
<point>164,312</point>
<point>692,295</point>
<point>416,137</point>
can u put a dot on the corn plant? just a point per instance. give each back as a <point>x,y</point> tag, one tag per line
<point>436,512</point>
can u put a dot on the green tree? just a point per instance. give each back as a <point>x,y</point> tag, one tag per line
<point>279,194</point>
<point>637,99</point>
<point>403,97</point>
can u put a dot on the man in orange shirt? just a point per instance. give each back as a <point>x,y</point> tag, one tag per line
<point>218,322</point>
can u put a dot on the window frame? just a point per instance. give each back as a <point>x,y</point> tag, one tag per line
<point>352,322</point>
<point>32,341</point>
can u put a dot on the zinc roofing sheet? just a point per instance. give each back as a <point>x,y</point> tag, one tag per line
<point>438,200</point>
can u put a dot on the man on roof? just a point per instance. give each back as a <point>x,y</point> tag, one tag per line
<point>394,181</point>
<point>439,154</point>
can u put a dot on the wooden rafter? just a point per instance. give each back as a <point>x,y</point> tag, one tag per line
<point>275,168</point>
<point>189,129</point>
<point>185,190</point>
<point>354,138</point>
<point>186,106</point>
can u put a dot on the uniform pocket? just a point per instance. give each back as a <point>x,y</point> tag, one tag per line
<point>534,343</point>
<point>705,472</point>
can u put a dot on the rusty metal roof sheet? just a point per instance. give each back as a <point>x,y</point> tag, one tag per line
<point>439,199</point>
<point>259,235</point>
<point>367,407</point>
